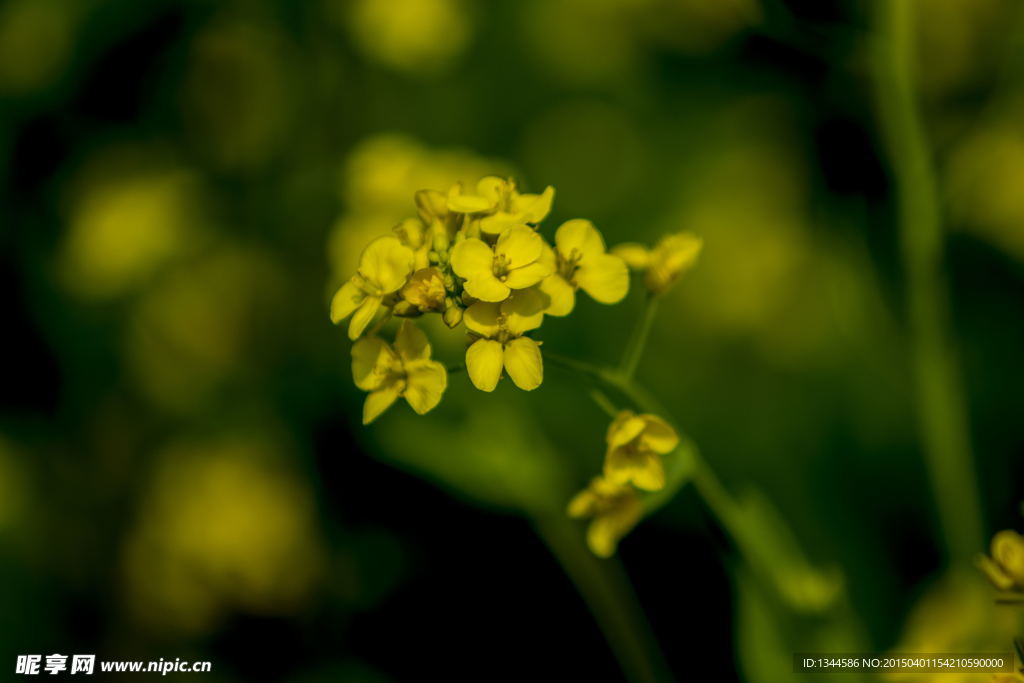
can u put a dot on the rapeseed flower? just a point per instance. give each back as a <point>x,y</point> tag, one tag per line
<point>581,262</point>
<point>425,292</point>
<point>1005,567</point>
<point>492,273</point>
<point>501,344</point>
<point>384,267</point>
<point>671,257</point>
<point>402,370</point>
<point>635,446</point>
<point>615,509</point>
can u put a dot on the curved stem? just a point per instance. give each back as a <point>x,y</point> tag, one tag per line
<point>940,403</point>
<point>638,341</point>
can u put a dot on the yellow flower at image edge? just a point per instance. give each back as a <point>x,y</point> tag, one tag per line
<point>514,263</point>
<point>615,510</point>
<point>635,446</point>
<point>670,258</point>
<point>1005,568</point>
<point>403,370</point>
<point>502,345</point>
<point>581,263</point>
<point>384,267</point>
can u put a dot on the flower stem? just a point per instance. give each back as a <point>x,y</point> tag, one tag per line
<point>638,340</point>
<point>941,411</point>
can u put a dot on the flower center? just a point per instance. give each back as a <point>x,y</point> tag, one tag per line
<point>501,267</point>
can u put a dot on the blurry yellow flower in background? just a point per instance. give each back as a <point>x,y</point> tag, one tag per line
<point>581,263</point>
<point>501,343</point>
<point>125,224</point>
<point>384,267</point>
<point>35,43</point>
<point>1005,566</point>
<point>14,489</point>
<point>404,370</point>
<point>420,37</point>
<point>225,526</point>
<point>515,262</point>
<point>671,257</point>
<point>615,510</point>
<point>635,446</point>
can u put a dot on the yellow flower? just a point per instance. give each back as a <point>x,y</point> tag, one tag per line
<point>425,290</point>
<point>615,509</point>
<point>635,446</point>
<point>501,344</point>
<point>384,266</point>
<point>501,206</point>
<point>404,370</point>
<point>671,256</point>
<point>1006,566</point>
<point>581,263</point>
<point>415,235</point>
<point>514,263</point>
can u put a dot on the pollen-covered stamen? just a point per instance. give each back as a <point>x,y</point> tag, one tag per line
<point>567,264</point>
<point>501,267</point>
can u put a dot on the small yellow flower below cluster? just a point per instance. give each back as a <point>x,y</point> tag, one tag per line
<point>1005,567</point>
<point>403,370</point>
<point>635,446</point>
<point>671,257</point>
<point>615,510</point>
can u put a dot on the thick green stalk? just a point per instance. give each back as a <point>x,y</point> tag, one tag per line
<point>940,404</point>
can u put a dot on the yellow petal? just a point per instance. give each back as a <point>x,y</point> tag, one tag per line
<point>624,428</point>
<point>520,246</point>
<point>411,343</point>
<point>560,293</point>
<point>432,205</point>
<point>426,381</point>
<point>411,232</point>
<point>534,207</point>
<point>472,258</point>
<point>673,255</point>
<point>492,188</point>
<point>527,276</point>
<point>467,203</point>
<point>482,318</point>
<point>578,238</point>
<point>523,363</point>
<point>607,530</point>
<point>604,277</point>
<point>649,472</point>
<point>1008,551</point>
<point>634,254</point>
<point>386,263</point>
<point>379,401</point>
<point>362,317</point>
<point>371,360</point>
<point>524,310</point>
<point>582,504</point>
<point>618,466</point>
<point>500,222</point>
<point>483,363</point>
<point>658,435</point>
<point>486,287</point>
<point>347,299</point>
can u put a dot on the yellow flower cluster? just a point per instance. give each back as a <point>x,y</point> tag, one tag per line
<point>476,258</point>
<point>1005,567</point>
<point>632,461</point>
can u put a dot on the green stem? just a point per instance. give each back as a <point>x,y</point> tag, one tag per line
<point>606,589</point>
<point>638,341</point>
<point>941,410</point>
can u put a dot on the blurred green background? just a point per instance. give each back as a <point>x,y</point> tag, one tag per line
<point>185,183</point>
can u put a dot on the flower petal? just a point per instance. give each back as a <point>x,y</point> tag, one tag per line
<point>411,343</point>
<point>371,359</point>
<point>486,287</point>
<point>467,203</point>
<point>363,316</point>
<point>379,401</point>
<point>604,277</point>
<point>523,363</point>
<point>528,276</point>
<point>658,435</point>
<point>533,208</point>
<point>482,318</point>
<point>520,245</point>
<point>472,258</point>
<point>386,263</point>
<point>649,472</point>
<point>605,532</point>
<point>492,188</point>
<point>347,299</point>
<point>634,254</point>
<point>524,310</point>
<point>483,363</point>
<point>500,222</point>
<point>580,236</point>
<point>560,293</point>
<point>426,381</point>
<point>624,428</point>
